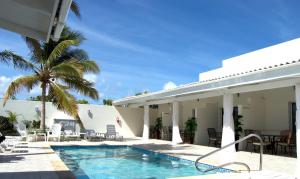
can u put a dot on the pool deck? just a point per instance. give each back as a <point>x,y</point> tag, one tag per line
<point>41,162</point>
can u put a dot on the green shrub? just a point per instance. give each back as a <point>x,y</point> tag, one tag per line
<point>6,127</point>
<point>27,123</point>
<point>36,124</point>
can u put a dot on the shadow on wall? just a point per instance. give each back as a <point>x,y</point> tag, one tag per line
<point>133,119</point>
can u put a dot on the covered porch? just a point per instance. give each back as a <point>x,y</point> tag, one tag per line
<point>266,99</point>
<point>267,112</point>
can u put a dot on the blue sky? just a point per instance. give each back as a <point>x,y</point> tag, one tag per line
<point>145,44</point>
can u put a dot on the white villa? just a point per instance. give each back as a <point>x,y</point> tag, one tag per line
<point>263,85</point>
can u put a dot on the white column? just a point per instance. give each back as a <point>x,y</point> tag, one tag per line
<point>228,124</point>
<point>297,91</point>
<point>175,118</point>
<point>146,123</point>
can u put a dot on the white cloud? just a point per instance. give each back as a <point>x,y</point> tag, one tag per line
<point>169,85</point>
<point>36,90</point>
<point>4,81</point>
<point>90,77</point>
<point>114,41</point>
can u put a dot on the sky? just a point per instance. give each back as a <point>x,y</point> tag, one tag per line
<point>150,45</point>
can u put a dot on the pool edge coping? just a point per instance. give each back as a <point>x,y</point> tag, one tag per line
<point>133,146</point>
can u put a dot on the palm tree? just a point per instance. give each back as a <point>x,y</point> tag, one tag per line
<point>75,9</point>
<point>57,67</point>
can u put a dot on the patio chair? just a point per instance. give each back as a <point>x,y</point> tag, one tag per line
<point>248,141</point>
<point>213,137</point>
<point>55,132</point>
<point>256,142</point>
<point>91,135</point>
<point>111,133</point>
<point>286,141</point>
<point>69,135</point>
<point>165,133</point>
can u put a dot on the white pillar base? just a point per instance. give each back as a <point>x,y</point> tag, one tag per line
<point>228,128</point>
<point>176,138</point>
<point>146,124</point>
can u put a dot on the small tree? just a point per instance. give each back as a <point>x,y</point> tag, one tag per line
<point>107,102</point>
<point>82,101</point>
<point>141,93</point>
<point>158,127</point>
<point>12,116</point>
<point>190,128</point>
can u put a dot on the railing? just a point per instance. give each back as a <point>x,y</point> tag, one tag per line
<point>232,163</point>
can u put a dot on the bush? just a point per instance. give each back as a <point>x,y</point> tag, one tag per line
<point>36,124</point>
<point>27,123</point>
<point>6,127</point>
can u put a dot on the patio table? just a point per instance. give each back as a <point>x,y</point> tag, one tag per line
<point>272,140</point>
<point>40,134</point>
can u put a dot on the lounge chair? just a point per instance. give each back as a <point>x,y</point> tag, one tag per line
<point>12,144</point>
<point>70,135</point>
<point>55,132</point>
<point>111,133</point>
<point>21,128</point>
<point>91,135</point>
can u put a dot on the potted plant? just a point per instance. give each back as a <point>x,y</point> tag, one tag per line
<point>190,129</point>
<point>237,128</point>
<point>158,127</point>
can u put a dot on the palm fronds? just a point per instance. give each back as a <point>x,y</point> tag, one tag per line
<point>8,57</point>
<point>15,86</point>
<point>58,68</point>
<point>75,9</point>
<point>59,49</point>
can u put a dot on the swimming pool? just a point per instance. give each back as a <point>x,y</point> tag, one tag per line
<point>124,162</point>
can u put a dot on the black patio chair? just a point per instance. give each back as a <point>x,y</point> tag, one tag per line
<point>213,137</point>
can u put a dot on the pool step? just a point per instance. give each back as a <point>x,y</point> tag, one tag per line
<point>252,175</point>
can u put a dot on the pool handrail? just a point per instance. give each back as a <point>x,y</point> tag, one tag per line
<point>231,163</point>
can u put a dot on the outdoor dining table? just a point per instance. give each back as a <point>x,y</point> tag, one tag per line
<point>271,139</point>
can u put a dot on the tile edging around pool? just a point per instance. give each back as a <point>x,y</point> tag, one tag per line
<point>149,151</point>
<point>177,158</point>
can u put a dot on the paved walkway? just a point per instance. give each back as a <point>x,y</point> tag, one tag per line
<point>41,161</point>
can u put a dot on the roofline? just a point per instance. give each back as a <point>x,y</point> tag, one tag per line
<point>58,18</point>
<point>281,71</point>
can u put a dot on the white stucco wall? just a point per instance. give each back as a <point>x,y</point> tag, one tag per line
<point>277,108</point>
<point>100,116</point>
<point>273,55</point>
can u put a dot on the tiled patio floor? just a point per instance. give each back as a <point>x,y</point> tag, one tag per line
<point>41,162</point>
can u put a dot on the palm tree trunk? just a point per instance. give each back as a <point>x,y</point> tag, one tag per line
<point>43,116</point>
<point>82,128</point>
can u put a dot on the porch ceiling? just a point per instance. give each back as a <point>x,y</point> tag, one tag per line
<point>281,75</point>
<point>34,18</point>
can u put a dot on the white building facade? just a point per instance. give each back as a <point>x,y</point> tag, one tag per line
<point>263,85</point>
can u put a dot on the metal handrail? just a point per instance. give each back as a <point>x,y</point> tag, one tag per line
<point>226,164</point>
<point>230,163</point>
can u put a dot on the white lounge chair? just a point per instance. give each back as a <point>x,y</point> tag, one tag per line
<point>12,144</point>
<point>21,128</point>
<point>55,132</point>
<point>91,135</point>
<point>70,135</point>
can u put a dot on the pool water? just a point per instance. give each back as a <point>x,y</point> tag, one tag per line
<point>123,162</point>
